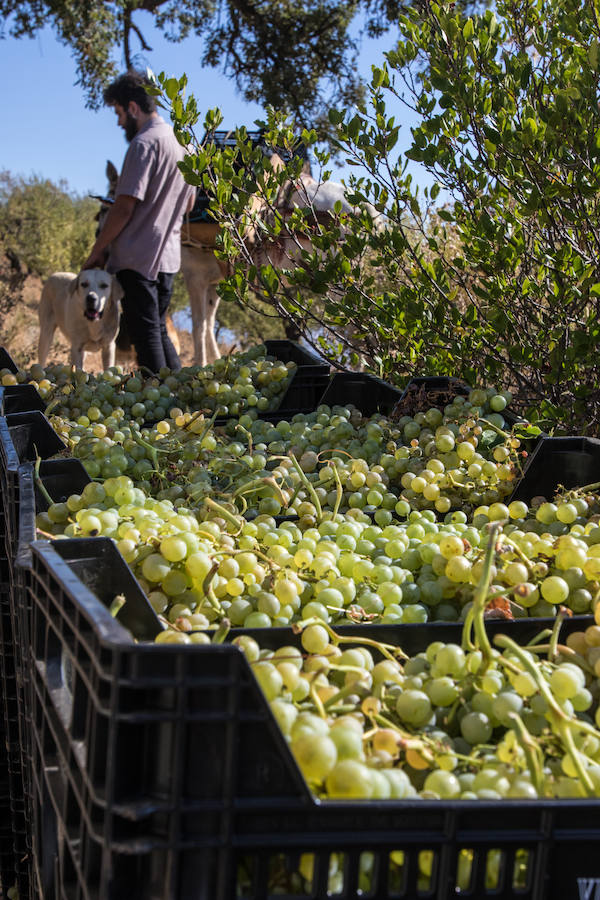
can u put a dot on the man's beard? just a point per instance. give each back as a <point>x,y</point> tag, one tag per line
<point>131,127</point>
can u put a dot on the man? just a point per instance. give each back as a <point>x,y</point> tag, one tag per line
<point>141,234</point>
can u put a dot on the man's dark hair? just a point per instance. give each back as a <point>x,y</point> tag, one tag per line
<point>128,87</point>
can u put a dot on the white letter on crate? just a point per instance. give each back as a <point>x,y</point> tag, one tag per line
<point>586,888</point>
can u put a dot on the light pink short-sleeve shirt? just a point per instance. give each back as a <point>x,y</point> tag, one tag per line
<point>150,242</point>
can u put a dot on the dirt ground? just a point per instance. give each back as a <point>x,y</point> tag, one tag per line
<point>19,328</point>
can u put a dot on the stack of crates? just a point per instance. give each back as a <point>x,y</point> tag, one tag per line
<point>24,437</point>
<point>158,772</point>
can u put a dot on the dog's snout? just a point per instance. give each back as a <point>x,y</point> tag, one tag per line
<point>93,305</point>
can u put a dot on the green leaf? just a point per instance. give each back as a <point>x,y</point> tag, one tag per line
<point>171,87</point>
<point>468,29</point>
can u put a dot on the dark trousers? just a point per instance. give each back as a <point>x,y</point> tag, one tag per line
<point>145,306</point>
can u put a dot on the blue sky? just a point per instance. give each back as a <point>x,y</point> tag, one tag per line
<point>47,131</point>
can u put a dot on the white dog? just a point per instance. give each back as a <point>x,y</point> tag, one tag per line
<point>86,308</point>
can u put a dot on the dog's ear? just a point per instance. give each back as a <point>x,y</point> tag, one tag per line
<point>74,286</point>
<point>117,293</point>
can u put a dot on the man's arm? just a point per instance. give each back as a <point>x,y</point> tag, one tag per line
<point>118,216</point>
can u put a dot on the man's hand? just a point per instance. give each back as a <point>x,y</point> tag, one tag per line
<point>118,216</point>
<point>96,260</point>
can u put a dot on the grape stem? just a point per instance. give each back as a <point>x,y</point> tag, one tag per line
<point>209,424</point>
<point>117,605</point>
<point>339,492</point>
<point>208,589</point>
<point>152,451</point>
<point>553,643</point>
<point>248,435</point>
<point>334,450</point>
<point>229,517</point>
<point>495,428</point>
<point>40,484</point>
<point>502,640</point>
<point>309,486</point>
<point>587,488</point>
<point>532,751</point>
<point>475,620</point>
<point>317,700</point>
<point>252,487</point>
<point>515,547</point>
<point>220,633</point>
<point>390,651</point>
<point>409,741</point>
<point>347,691</point>
<point>566,734</point>
<point>563,650</point>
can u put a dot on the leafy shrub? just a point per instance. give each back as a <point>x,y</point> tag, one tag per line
<point>493,274</point>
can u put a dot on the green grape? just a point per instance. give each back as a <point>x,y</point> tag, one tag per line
<point>316,754</point>
<point>444,784</point>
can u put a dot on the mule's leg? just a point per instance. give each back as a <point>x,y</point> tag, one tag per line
<point>212,304</point>
<point>200,327</point>
<point>192,271</point>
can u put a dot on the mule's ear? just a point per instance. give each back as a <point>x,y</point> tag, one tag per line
<point>117,293</point>
<point>111,174</point>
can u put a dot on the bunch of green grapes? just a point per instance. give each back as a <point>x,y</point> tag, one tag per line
<point>312,485</point>
<point>345,566</point>
<point>235,383</point>
<point>155,457</point>
<point>229,386</point>
<point>266,574</point>
<point>364,721</point>
<point>177,558</point>
<point>182,456</point>
<point>457,458</point>
<point>547,556</point>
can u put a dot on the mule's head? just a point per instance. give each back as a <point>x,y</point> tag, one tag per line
<point>113,178</point>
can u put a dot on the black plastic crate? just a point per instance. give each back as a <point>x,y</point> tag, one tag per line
<point>8,869</point>
<point>14,851</point>
<point>366,392</point>
<point>20,398</point>
<point>60,478</point>
<point>7,362</point>
<point>568,461</point>
<point>159,773</point>
<point>303,395</point>
<point>31,435</point>
<point>24,437</point>
<point>306,358</point>
<point>304,392</point>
